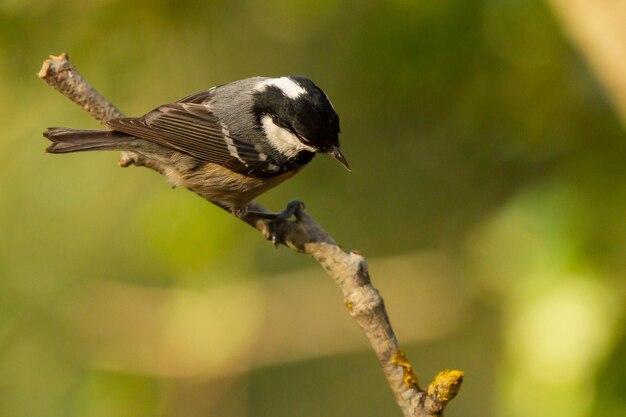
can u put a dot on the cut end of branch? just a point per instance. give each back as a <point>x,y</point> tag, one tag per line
<point>53,65</point>
<point>445,386</point>
<point>61,74</point>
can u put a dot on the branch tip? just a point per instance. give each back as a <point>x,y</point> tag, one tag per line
<point>53,65</point>
<point>446,386</point>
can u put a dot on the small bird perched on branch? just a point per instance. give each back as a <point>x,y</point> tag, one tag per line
<point>230,143</point>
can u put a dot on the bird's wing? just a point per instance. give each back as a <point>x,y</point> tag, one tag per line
<point>192,128</point>
<point>199,97</point>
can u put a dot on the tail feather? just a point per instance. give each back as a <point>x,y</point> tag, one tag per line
<point>66,140</point>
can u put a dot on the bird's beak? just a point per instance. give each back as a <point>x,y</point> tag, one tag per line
<point>336,153</point>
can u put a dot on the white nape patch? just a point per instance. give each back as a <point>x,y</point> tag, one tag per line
<point>283,140</point>
<point>288,86</point>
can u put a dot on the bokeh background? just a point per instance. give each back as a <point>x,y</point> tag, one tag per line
<point>488,192</point>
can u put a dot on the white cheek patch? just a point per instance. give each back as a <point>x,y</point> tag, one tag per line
<point>283,140</point>
<point>288,86</point>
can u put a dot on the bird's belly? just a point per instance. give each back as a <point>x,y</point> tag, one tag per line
<point>221,185</point>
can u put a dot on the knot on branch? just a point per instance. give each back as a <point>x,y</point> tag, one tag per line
<point>363,300</point>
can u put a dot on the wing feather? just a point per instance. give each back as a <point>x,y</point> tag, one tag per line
<point>188,127</point>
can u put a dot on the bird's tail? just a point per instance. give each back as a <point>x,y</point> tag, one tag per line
<point>76,140</point>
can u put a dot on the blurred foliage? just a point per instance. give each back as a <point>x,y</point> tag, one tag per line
<point>473,128</point>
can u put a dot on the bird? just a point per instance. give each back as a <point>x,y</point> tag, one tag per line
<point>230,143</point>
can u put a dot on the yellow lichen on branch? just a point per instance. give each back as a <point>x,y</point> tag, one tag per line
<point>446,386</point>
<point>399,359</point>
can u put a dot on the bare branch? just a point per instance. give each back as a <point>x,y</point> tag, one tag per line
<point>60,73</point>
<point>304,235</point>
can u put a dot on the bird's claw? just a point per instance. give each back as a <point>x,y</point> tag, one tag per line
<point>277,224</point>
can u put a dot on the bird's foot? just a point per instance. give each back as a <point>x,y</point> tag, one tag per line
<point>277,229</point>
<point>277,222</point>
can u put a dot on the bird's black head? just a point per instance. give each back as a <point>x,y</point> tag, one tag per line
<point>297,116</point>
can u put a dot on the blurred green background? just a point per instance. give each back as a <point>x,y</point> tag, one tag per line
<point>488,193</point>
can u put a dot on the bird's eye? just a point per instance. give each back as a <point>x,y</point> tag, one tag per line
<point>277,121</point>
<point>281,123</point>
<point>302,138</point>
